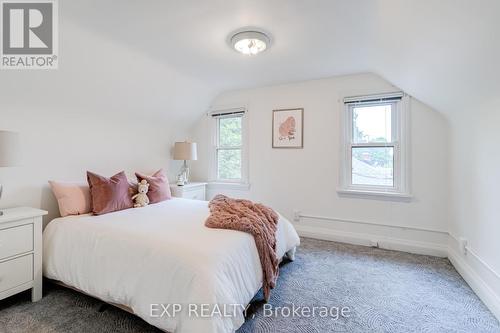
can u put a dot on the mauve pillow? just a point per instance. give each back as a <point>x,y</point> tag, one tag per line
<point>159,189</point>
<point>73,198</point>
<point>109,194</point>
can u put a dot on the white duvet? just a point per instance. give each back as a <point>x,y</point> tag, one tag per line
<point>161,257</point>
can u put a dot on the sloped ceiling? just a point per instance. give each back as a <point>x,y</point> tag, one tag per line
<point>170,58</point>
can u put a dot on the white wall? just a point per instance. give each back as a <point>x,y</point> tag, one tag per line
<point>306,179</point>
<point>59,146</point>
<point>476,200</point>
<point>107,108</point>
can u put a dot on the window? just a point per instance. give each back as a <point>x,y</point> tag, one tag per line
<point>229,152</point>
<point>374,146</point>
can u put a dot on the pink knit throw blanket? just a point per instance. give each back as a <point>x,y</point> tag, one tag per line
<point>256,219</point>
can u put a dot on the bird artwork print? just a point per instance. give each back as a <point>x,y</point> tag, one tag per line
<point>287,129</point>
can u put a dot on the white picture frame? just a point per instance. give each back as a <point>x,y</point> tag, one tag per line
<point>288,128</point>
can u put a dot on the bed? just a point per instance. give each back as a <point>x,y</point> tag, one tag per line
<point>151,260</point>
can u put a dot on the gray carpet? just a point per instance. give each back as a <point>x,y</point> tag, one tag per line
<point>386,291</point>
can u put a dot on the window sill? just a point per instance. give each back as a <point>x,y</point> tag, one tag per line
<point>229,186</point>
<point>364,194</point>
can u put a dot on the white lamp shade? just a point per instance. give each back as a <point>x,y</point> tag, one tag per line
<point>9,148</point>
<point>185,151</point>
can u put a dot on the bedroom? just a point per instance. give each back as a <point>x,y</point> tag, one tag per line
<point>370,127</point>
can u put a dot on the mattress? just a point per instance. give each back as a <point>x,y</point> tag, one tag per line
<point>163,263</point>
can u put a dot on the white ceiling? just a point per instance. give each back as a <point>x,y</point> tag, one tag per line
<point>310,38</point>
<point>444,52</point>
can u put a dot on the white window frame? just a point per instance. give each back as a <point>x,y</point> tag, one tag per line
<point>400,143</point>
<point>215,115</point>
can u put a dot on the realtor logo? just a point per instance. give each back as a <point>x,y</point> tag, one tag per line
<point>29,34</point>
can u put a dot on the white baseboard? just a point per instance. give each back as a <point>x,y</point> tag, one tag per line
<point>481,280</point>
<point>384,242</point>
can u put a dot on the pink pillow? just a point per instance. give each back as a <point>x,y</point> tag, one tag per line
<point>73,198</point>
<point>159,189</point>
<point>109,194</point>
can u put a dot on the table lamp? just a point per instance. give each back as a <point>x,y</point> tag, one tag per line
<point>185,151</point>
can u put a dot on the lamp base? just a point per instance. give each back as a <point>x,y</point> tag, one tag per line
<point>183,177</point>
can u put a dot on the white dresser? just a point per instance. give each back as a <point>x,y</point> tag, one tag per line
<point>195,191</point>
<point>21,252</point>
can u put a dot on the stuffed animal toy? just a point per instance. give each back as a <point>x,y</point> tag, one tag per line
<point>141,198</point>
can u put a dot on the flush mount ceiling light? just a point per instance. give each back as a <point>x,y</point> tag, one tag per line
<point>250,42</point>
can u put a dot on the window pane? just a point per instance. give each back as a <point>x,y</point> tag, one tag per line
<point>373,166</point>
<point>372,123</point>
<point>229,164</point>
<point>230,132</point>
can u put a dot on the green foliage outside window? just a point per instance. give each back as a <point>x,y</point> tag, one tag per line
<point>229,152</point>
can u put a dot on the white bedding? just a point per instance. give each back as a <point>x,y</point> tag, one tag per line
<point>161,254</point>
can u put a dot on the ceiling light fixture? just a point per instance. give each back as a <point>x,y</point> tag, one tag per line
<point>250,42</point>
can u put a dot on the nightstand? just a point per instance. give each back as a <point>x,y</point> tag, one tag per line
<point>195,191</point>
<point>21,252</point>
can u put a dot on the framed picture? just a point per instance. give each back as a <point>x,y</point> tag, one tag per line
<point>288,128</point>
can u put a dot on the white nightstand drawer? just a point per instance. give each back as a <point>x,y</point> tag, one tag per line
<point>21,251</point>
<point>16,272</point>
<point>193,191</point>
<point>16,240</point>
<point>194,194</point>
